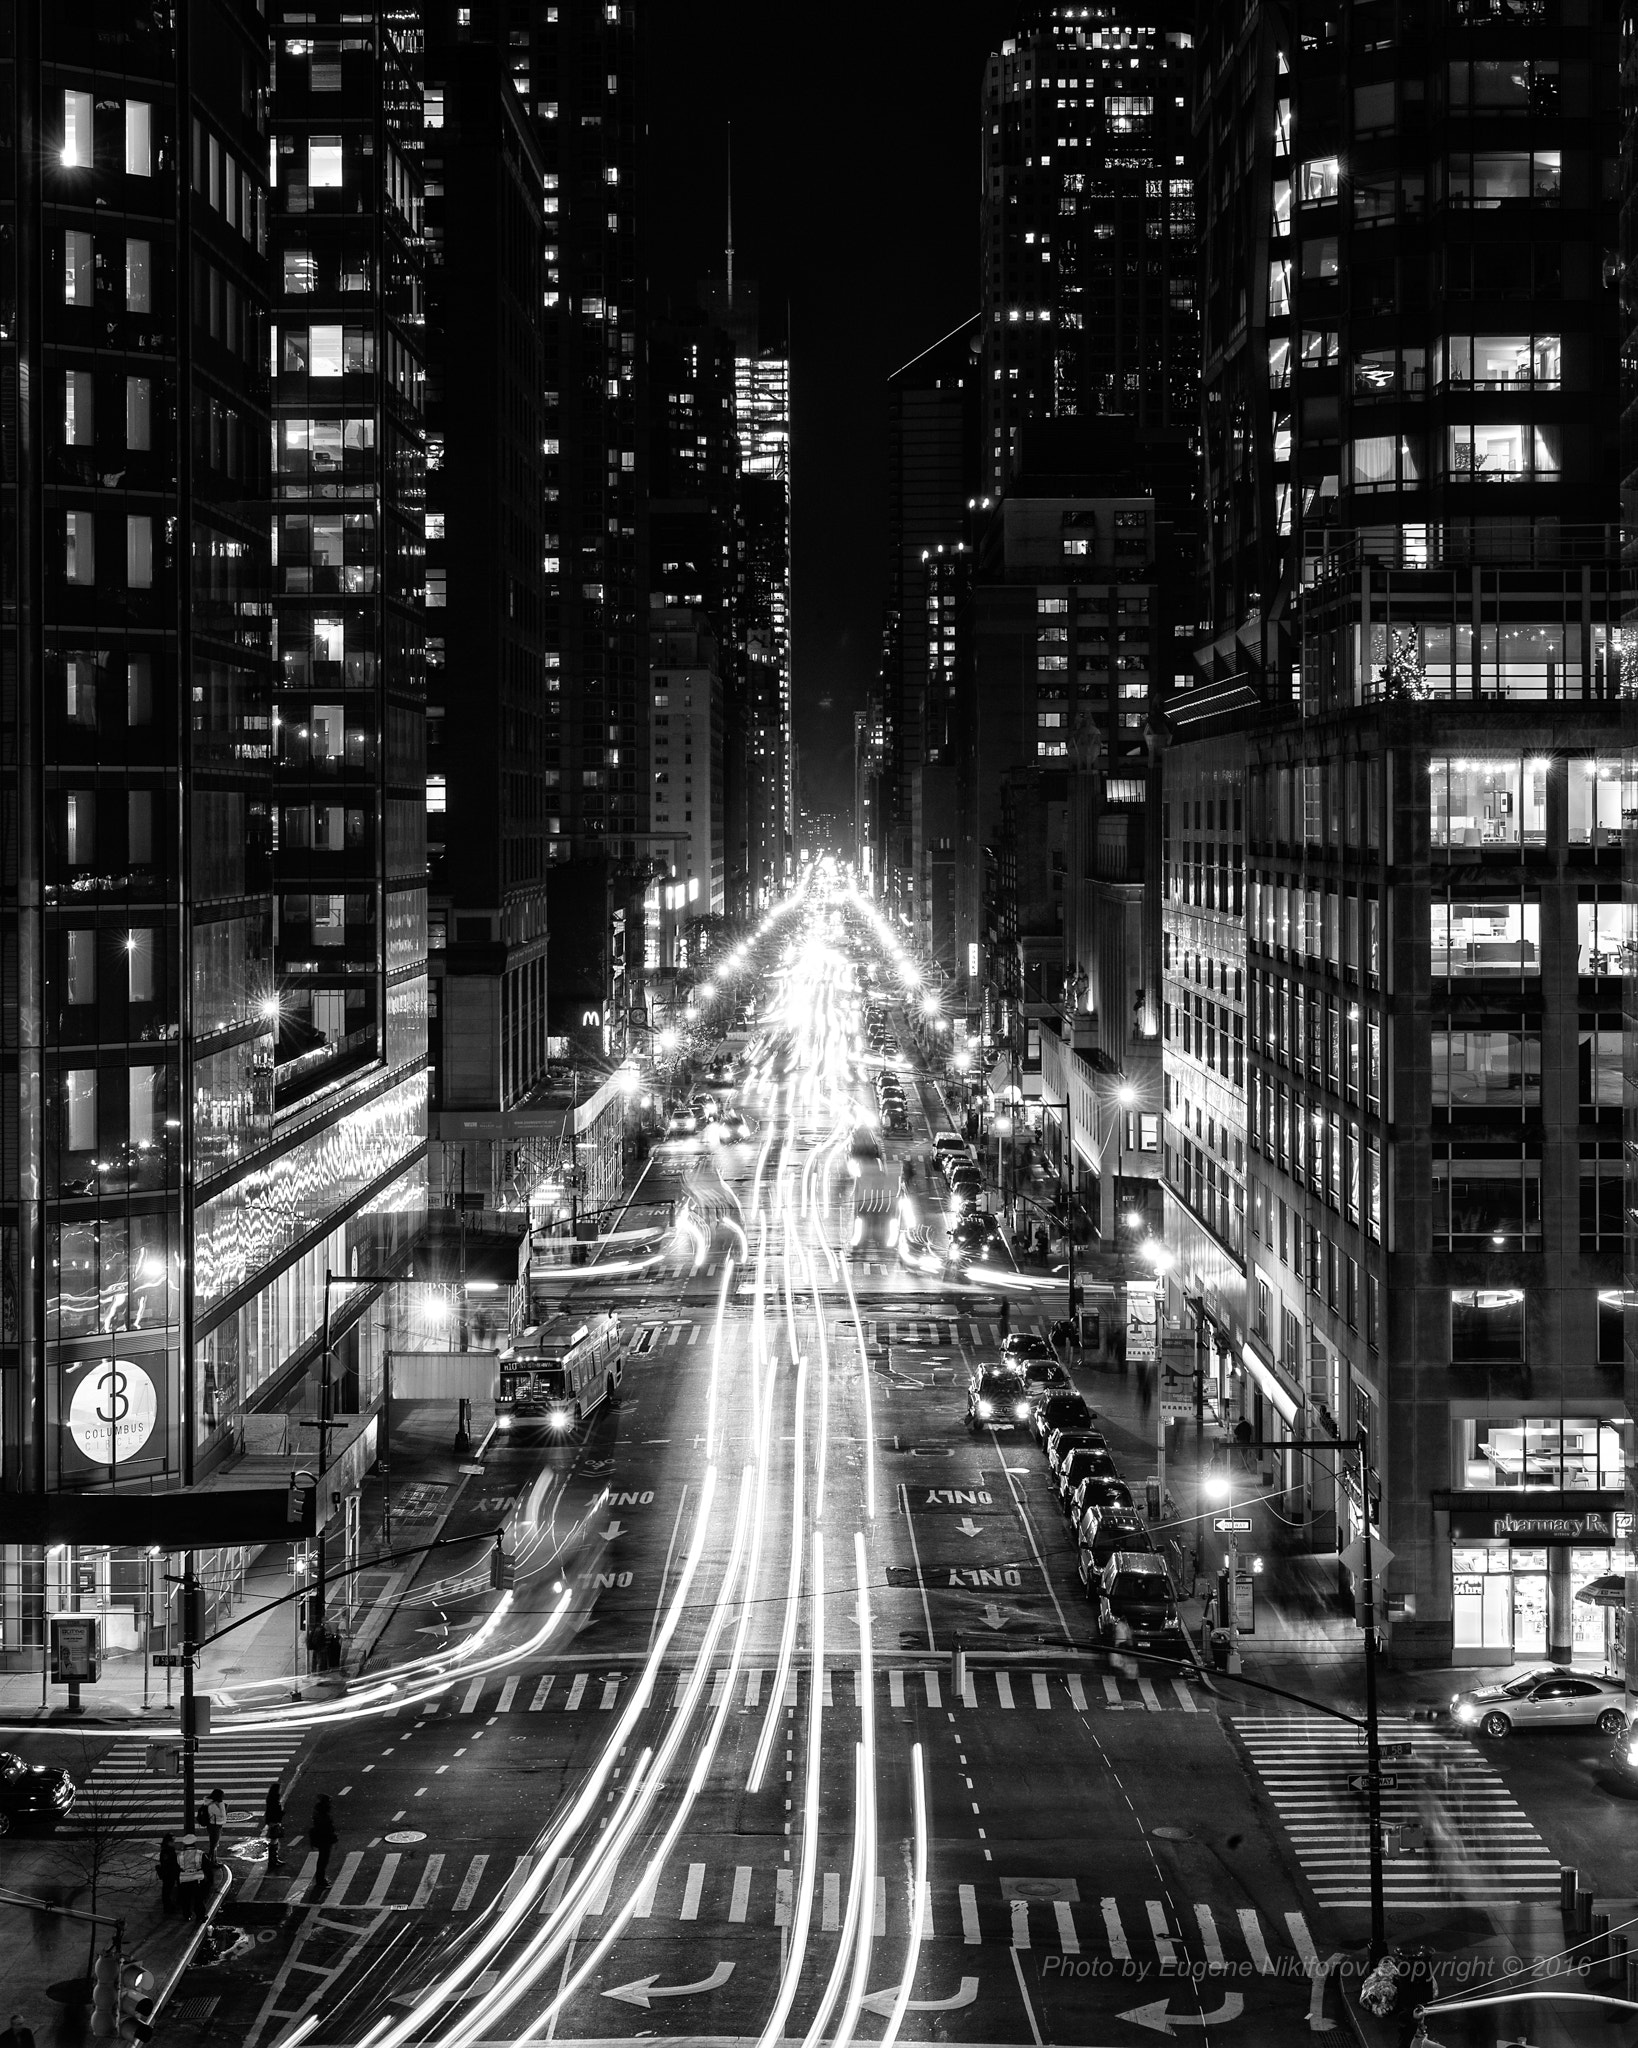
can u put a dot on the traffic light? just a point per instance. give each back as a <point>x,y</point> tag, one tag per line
<point>136,2002</point>
<point>105,1993</point>
<point>193,1615</point>
<point>503,1570</point>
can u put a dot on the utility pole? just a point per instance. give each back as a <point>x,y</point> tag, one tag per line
<point>317,1611</point>
<point>190,1650</point>
<point>1373,1741</point>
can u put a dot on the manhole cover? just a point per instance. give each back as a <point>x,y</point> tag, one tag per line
<point>253,1851</point>
<point>1171,1834</point>
<point>1063,1889</point>
<point>403,1835</point>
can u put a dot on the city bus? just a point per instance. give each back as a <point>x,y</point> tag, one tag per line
<point>562,1371</point>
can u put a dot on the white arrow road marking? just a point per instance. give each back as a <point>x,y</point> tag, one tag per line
<point>992,1616</point>
<point>882,2001</point>
<point>1163,2021</point>
<point>642,1989</point>
<point>613,1530</point>
<point>1319,1972</point>
<point>968,1526</point>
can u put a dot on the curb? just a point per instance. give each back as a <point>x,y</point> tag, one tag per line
<point>185,1963</point>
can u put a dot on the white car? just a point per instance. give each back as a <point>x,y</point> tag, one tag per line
<point>1545,1696</point>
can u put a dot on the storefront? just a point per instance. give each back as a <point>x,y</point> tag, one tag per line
<point>1516,1568</point>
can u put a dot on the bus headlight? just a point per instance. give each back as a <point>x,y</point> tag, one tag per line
<point>560,1418</point>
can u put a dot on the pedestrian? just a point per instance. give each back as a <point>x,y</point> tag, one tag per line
<point>1145,1391</point>
<point>1243,1436</point>
<point>216,1818</point>
<point>322,1836</point>
<point>190,1877</point>
<point>170,1870</point>
<point>1041,1242</point>
<point>19,2034</point>
<point>273,1824</point>
<point>1005,1319</point>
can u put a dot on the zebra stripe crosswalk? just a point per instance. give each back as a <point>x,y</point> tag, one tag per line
<point>1455,1833</point>
<point>122,1793</point>
<point>1011,1691</point>
<point>1079,1921</point>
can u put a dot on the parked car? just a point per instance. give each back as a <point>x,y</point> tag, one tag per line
<point>1135,1602</point>
<point>32,1795</point>
<point>1086,1461</point>
<point>996,1400</point>
<point>1063,1441</point>
<point>1097,1493</point>
<point>1099,1534</point>
<point>1025,1344</point>
<point>1045,1376</point>
<point>1546,1696</point>
<point>1061,1411</point>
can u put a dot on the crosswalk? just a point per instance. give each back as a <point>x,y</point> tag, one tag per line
<point>932,1332</point>
<point>1004,1691</point>
<point>120,1793</point>
<point>1066,1915</point>
<point>1454,1831</point>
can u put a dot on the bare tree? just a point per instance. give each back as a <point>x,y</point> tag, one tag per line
<point>94,1846</point>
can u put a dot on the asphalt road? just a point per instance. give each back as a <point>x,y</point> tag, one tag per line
<point>646,1801</point>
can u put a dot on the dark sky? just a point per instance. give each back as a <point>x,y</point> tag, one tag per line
<point>856,138</point>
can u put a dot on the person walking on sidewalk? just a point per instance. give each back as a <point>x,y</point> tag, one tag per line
<point>1005,1319</point>
<point>19,2034</point>
<point>273,1824</point>
<point>170,1872</point>
<point>322,1836</point>
<point>190,1881</point>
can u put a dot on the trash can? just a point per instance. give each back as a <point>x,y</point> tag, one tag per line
<point>1219,1649</point>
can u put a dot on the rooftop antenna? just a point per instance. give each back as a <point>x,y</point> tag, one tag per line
<point>730,216</point>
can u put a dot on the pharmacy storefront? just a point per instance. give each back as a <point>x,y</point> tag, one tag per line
<point>1525,1578</point>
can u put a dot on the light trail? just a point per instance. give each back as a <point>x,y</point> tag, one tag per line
<point>802,1910</point>
<point>918,1903</point>
<point>793,1595</point>
<point>850,1915</point>
<point>864,1935</point>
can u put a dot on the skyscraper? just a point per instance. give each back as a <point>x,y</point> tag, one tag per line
<point>489,711</point>
<point>1410,342</point>
<point>1088,231</point>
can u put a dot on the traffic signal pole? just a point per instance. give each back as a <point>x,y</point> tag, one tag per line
<point>1373,1741</point>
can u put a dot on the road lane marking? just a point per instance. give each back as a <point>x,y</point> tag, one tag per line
<point>1146,1686</point>
<point>349,1870</point>
<point>553,1894</point>
<point>514,1884</point>
<point>719,1685</point>
<point>1185,1698</point>
<point>469,1883</point>
<point>429,1878</point>
<point>969,1915</point>
<point>1023,1993</point>
<point>470,1699</point>
<point>643,1905</point>
<point>577,1692</point>
<point>1077,1691</point>
<point>1068,1940</point>
<point>878,1927</point>
<point>383,1879</point>
<point>825,1692</point>
<point>895,1688</point>
<point>784,1887</point>
<point>691,1892</point>
<point>830,1918</point>
<point>1251,1928</point>
<point>542,1693</point>
<point>1165,1946</point>
<point>740,1902</point>
<point>509,1692</point>
<point>753,1686</point>
<point>915,1557</point>
<point>1303,1942</point>
<point>1003,1687</point>
<point>927,1912</point>
<point>789,1699</point>
<point>1111,1691</point>
<point>597,1900</point>
<point>969,1689</point>
<point>1209,1937</point>
<point>1114,1932</point>
<point>933,1699</point>
<point>1038,1681</point>
<point>1020,1923</point>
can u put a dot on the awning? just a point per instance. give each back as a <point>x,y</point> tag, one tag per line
<point>1269,1384</point>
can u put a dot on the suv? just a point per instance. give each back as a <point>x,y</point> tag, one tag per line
<point>1135,1602</point>
<point>1102,1532</point>
<point>997,1400</point>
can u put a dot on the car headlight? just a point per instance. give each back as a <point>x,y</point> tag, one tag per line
<point>1632,1757</point>
<point>1466,1711</point>
<point>1022,1411</point>
<point>560,1418</point>
<point>986,1409</point>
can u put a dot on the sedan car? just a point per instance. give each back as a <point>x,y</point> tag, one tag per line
<point>1063,1441</point>
<point>1025,1344</point>
<point>1061,1411</point>
<point>32,1795</point>
<point>1546,1696</point>
<point>1086,1461</point>
<point>997,1400</point>
<point>1045,1376</point>
<point>735,1127</point>
<point>1100,1494</point>
<point>682,1123</point>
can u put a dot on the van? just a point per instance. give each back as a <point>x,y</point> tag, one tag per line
<point>1136,1604</point>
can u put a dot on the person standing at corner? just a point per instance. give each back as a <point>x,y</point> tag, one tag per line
<point>216,1818</point>
<point>1005,1319</point>
<point>170,1871</point>
<point>190,1883</point>
<point>273,1824</point>
<point>19,2034</point>
<point>322,1836</point>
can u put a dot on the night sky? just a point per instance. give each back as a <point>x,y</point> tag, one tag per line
<point>856,135</point>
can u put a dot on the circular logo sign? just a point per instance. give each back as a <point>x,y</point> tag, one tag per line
<point>113,1412</point>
